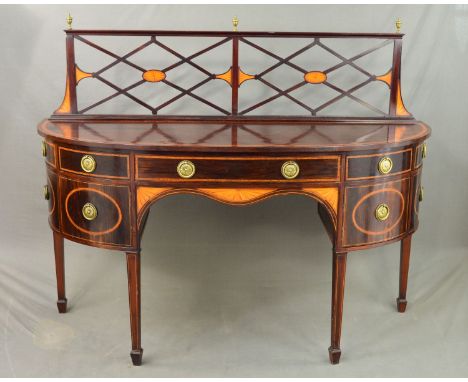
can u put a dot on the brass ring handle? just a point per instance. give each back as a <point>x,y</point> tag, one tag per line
<point>424,150</point>
<point>88,163</point>
<point>46,192</point>
<point>385,165</point>
<point>186,169</point>
<point>421,193</point>
<point>290,169</point>
<point>89,211</point>
<point>382,212</point>
<point>44,149</point>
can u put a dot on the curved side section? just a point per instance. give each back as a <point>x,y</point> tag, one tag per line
<point>52,195</point>
<point>327,196</point>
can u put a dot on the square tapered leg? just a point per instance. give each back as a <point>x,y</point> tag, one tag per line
<point>60,272</point>
<point>338,285</point>
<point>133,272</point>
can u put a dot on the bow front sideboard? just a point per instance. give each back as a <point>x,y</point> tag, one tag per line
<point>105,170</point>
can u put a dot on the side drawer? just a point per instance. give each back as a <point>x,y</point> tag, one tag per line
<point>51,194</point>
<point>48,152</point>
<point>375,213</point>
<point>368,166</point>
<point>420,154</point>
<point>417,198</point>
<point>240,169</point>
<point>96,213</point>
<point>92,163</point>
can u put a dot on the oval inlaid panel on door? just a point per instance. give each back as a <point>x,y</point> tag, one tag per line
<point>96,212</point>
<point>375,213</point>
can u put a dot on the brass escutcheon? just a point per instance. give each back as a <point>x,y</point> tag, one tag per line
<point>290,169</point>
<point>46,192</point>
<point>44,149</point>
<point>424,150</point>
<point>421,193</point>
<point>186,169</point>
<point>88,163</point>
<point>89,211</point>
<point>385,165</point>
<point>382,212</point>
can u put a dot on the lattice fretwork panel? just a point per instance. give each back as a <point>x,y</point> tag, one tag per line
<point>232,75</point>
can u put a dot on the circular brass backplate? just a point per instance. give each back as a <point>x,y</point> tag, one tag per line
<point>89,211</point>
<point>290,169</point>
<point>88,163</point>
<point>382,212</point>
<point>186,169</point>
<point>385,165</point>
<point>46,192</point>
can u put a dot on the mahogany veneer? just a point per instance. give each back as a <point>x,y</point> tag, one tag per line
<point>105,171</point>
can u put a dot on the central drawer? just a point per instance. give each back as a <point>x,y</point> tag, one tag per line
<point>228,168</point>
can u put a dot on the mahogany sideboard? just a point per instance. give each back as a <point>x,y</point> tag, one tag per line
<point>104,170</point>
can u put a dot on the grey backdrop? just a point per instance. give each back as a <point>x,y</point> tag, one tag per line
<point>234,291</point>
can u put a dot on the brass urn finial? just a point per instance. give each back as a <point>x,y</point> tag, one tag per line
<point>398,25</point>
<point>235,23</point>
<point>69,21</point>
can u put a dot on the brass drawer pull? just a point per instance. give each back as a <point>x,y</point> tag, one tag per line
<point>44,149</point>
<point>88,163</point>
<point>46,192</point>
<point>290,169</point>
<point>421,193</point>
<point>385,165</point>
<point>186,169</point>
<point>382,212</point>
<point>424,150</point>
<point>89,211</point>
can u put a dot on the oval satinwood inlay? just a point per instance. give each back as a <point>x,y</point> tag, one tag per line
<point>154,75</point>
<point>100,201</point>
<point>315,77</point>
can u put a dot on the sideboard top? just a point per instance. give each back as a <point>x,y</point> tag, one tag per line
<point>237,136</point>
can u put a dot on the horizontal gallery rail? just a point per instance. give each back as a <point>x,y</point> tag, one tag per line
<point>130,32</point>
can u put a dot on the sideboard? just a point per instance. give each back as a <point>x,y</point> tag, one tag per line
<point>105,170</point>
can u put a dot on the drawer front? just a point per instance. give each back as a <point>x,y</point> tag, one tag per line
<point>94,164</point>
<point>376,213</point>
<point>370,165</point>
<point>420,154</point>
<point>48,152</point>
<point>110,223</point>
<point>416,199</point>
<point>247,169</point>
<point>52,195</point>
